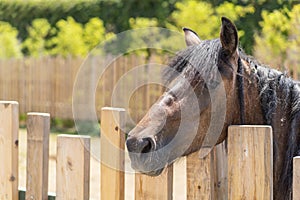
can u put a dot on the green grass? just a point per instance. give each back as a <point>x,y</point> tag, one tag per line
<point>67,126</point>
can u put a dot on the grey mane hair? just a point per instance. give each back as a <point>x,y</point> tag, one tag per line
<point>270,81</point>
<point>205,59</point>
<point>197,64</point>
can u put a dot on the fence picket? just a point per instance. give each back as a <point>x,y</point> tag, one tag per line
<point>296,178</point>
<point>9,130</point>
<point>250,162</point>
<point>200,176</point>
<point>73,167</point>
<point>112,153</point>
<point>38,128</point>
<point>152,188</point>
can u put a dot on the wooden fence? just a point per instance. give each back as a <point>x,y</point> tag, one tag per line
<point>46,84</point>
<point>245,172</point>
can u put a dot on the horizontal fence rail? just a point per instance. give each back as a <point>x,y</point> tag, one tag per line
<point>241,171</point>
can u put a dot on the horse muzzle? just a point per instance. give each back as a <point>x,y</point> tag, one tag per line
<point>143,155</point>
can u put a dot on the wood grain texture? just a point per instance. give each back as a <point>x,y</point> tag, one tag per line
<point>45,84</point>
<point>72,167</point>
<point>220,167</point>
<point>200,176</point>
<point>9,130</point>
<point>250,162</point>
<point>38,129</point>
<point>112,153</point>
<point>152,188</point>
<point>296,178</point>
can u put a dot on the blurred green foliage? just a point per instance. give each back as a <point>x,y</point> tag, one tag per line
<point>36,28</point>
<point>143,37</point>
<point>68,40</point>
<point>272,42</point>
<point>114,13</point>
<point>280,36</point>
<point>68,37</point>
<point>8,41</point>
<point>21,14</point>
<point>293,50</point>
<point>207,23</point>
<point>93,33</point>
<point>35,43</point>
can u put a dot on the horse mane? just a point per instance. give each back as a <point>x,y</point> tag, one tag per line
<point>195,62</point>
<point>276,87</point>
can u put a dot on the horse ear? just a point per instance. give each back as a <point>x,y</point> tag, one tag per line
<point>229,36</point>
<point>191,37</point>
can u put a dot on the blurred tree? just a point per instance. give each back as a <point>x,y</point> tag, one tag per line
<point>114,13</point>
<point>293,50</point>
<point>94,33</point>
<point>35,43</point>
<point>20,14</point>
<point>9,44</point>
<point>272,43</point>
<point>250,22</point>
<point>159,9</point>
<point>142,35</point>
<point>204,19</point>
<point>278,44</point>
<point>146,33</point>
<point>69,39</point>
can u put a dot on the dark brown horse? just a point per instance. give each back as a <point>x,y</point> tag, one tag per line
<point>177,124</point>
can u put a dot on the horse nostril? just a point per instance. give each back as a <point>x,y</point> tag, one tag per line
<point>142,145</point>
<point>147,145</point>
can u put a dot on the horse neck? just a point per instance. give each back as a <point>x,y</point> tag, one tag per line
<point>252,106</point>
<point>285,132</point>
<point>254,113</point>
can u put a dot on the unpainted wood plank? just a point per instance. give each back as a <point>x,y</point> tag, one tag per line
<point>200,176</point>
<point>38,129</point>
<point>250,162</point>
<point>72,167</point>
<point>296,178</point>
<point>152,188</point>
<point>220,167</point>
<point>9,131</point>
<point>112,153</point>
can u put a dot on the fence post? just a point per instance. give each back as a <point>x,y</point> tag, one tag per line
<point>72,167</point>
<point>250,162</point>
<point>112,153</point>
<point>38,128</point>
<point>9,129</point>
<point>220,162</point>
<point>152,188</point>
<point>200,176</point>
<point>296,178</point>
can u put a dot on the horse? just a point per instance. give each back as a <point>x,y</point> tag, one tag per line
<point>255,95</point>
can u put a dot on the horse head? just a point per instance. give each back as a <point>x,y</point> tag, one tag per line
<point>177,124</point>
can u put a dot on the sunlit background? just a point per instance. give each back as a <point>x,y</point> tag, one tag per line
<point>43,44</point>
